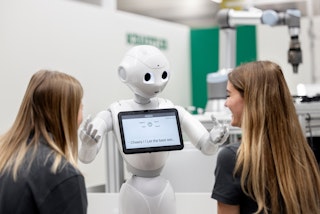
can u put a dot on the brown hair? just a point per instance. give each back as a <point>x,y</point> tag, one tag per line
<point>48,110</point>
<point>278,169</point>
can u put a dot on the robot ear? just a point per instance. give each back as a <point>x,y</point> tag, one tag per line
<point>122,74</point>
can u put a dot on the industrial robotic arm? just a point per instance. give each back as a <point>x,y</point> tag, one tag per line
<point>229,18</point>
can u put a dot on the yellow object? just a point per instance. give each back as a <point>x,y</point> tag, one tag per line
<point>232,4</point>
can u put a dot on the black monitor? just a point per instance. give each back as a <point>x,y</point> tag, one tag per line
<point>150,130</point>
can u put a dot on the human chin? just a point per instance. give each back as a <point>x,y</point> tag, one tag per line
<point>234,122</point>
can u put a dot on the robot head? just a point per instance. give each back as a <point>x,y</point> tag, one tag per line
<point>145,70</point>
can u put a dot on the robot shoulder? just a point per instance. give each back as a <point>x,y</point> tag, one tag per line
<point>165,103</point>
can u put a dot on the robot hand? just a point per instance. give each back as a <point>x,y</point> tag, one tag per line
<point>87,135</point>
<point>90,136</point>
<point>219,132</point>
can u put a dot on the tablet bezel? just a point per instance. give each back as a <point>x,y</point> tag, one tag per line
<point>150,149</point>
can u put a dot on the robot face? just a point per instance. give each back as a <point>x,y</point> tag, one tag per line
<point>145,70</point>
<point>152,82</point>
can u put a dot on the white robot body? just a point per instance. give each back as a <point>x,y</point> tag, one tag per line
<point>147,196</point>
<point>146,72</point>
<point>142,164</point>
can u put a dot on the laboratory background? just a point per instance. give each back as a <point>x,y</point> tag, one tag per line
<point>88,38</point>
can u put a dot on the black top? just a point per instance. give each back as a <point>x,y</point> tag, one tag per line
<point>38,190</point>
<point>227,188</point>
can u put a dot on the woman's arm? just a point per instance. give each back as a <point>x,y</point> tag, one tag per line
<point>228,209</point>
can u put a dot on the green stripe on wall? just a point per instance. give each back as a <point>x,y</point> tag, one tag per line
<point>204,60</point>
<point>205,57</point>
<point>246,44</point>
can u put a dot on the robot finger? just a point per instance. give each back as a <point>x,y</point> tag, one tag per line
<point>87,122</point>
<point>97,138</point>
<point>215,121</point>
<point>89,129</point>
<point>94,133</point>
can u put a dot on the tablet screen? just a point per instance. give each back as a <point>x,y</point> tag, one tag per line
<point>150,131</point>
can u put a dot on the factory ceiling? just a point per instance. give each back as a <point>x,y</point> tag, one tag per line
<point>201,13</point>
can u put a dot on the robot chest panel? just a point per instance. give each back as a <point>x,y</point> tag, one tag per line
<point>143,161</point>
<point>130,105</point>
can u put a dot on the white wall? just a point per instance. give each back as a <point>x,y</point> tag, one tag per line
<point>273,44</point>
<point>86,41</point>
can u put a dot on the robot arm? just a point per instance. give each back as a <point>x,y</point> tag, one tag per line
<point>229,18</point>
<point>291,18</point>
<point>91,135</point>
<point>207,142</point>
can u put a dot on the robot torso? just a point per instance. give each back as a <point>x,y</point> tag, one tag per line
<point>142,164</point>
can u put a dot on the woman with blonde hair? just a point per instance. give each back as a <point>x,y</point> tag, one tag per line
<point>273,169</point>
<point>38,154</point>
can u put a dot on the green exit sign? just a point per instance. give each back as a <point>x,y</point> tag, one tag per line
<point>137,39</point>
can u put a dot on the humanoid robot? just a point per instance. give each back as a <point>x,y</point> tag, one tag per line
<point>146,71</point>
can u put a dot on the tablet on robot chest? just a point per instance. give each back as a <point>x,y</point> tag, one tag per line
<point>150,131</point>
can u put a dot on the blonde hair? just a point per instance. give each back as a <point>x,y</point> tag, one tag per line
<point>278,169</point>
<point>49,110</point>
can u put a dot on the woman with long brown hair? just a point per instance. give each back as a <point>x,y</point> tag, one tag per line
<point>38,154</point>
<point>273,169</point>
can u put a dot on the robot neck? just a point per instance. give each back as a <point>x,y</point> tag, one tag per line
<point>141,100</point>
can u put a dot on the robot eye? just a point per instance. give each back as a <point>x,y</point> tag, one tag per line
<point>164,75</point>
<point>147,77</point>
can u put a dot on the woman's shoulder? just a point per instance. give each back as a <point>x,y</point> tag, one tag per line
<point>43,162</point>
<point>230,149</point>
<point>228,152</point>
